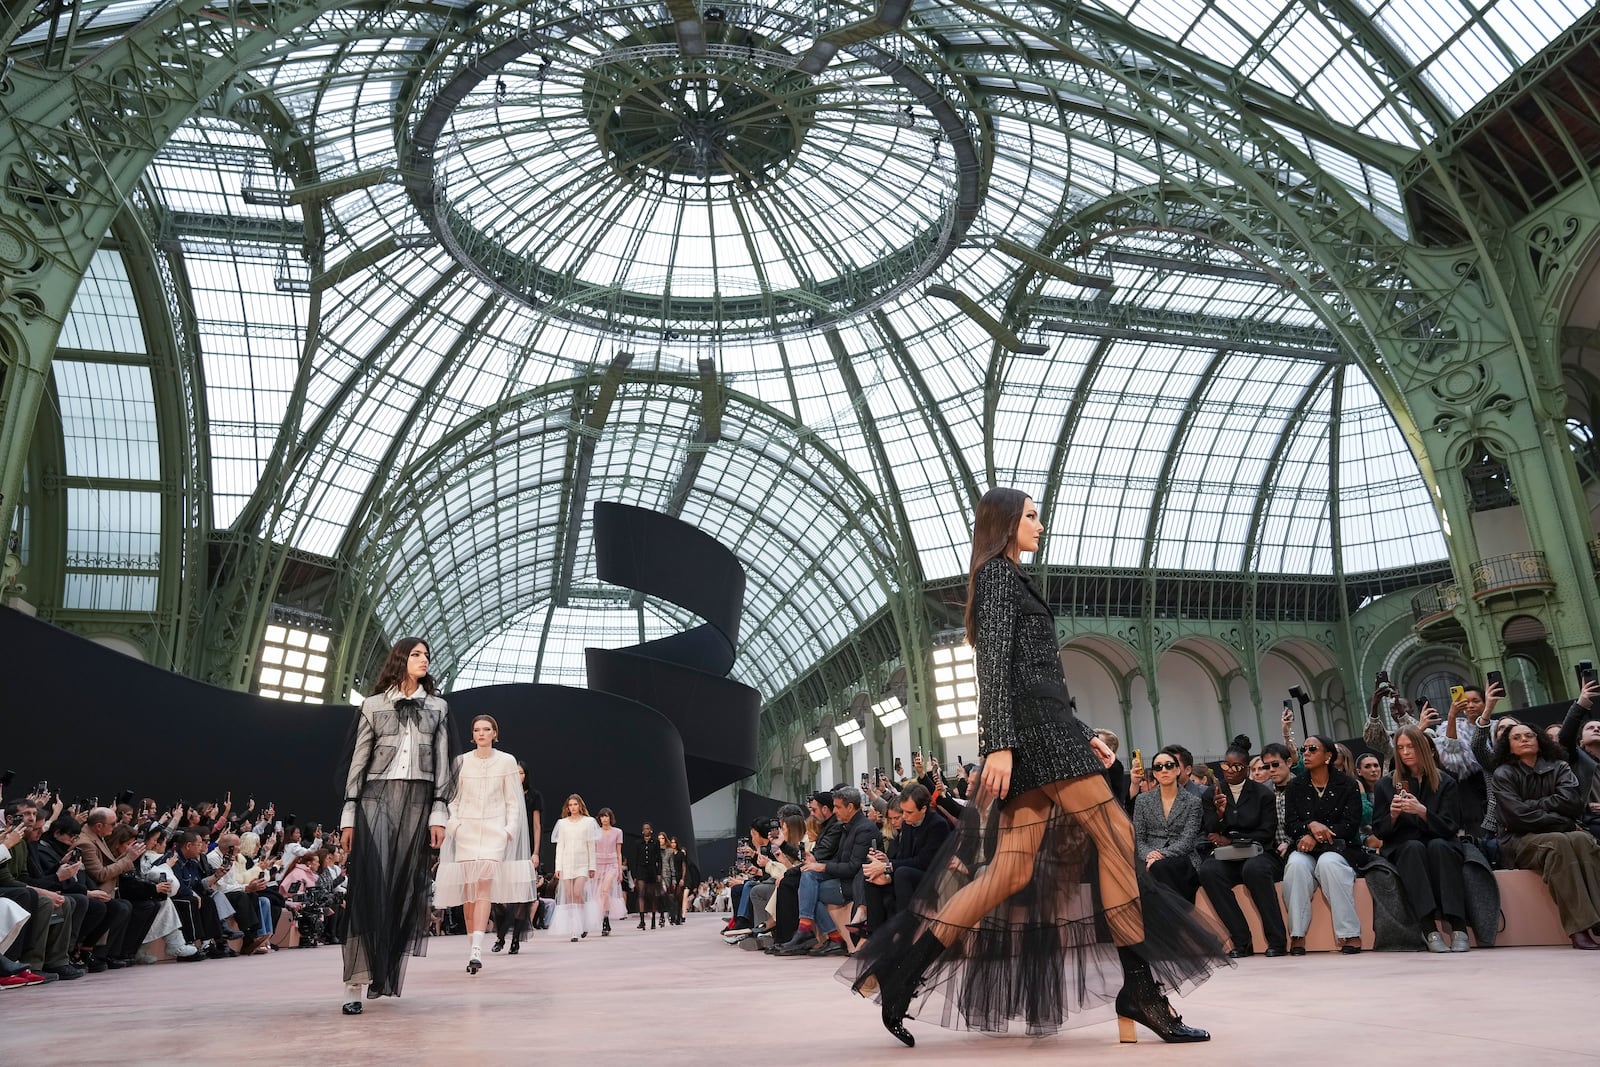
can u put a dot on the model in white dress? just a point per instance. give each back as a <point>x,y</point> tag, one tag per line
<point>485,855</point>
<point>575,835</point>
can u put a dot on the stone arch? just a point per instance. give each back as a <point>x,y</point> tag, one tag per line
<point>1099,673</point>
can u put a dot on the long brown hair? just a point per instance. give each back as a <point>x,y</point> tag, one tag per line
<point>994,532</point>
<point>393,671</point>
<point>1427,768</point>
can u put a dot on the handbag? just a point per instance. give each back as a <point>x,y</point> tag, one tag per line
<point>1238,850</point>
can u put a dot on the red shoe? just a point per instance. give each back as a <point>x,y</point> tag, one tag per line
<point>13,981</point>
<point>33,979</point>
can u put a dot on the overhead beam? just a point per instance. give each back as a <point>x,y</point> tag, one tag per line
<point>1130,322</point>
<point>991,325</point>
<point>1054,268</point>
<point>691,31</point>
<point>890,17</point>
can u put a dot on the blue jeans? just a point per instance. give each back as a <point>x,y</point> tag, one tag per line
<point>817,891</point>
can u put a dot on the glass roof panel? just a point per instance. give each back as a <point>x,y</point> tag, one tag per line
<point>108,420</point>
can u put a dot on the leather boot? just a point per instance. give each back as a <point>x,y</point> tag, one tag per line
<point>898,980</point>
<point>1141,1001</point>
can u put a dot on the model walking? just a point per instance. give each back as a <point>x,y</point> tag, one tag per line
<point>484,859</point>
<point>608,872</point>
<point>396,800</point>
<point>574,835</point>
<point>514,919</point>
<point>1031,923</point>
<point>646,868</point>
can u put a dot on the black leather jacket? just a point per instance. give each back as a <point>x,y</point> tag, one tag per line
<point>1540,799</point>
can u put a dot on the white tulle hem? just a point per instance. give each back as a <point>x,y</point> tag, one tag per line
<point>510,882</point>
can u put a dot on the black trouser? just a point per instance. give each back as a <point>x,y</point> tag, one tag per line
<point>1430,873</point>
<point>247,913</point>
<point>787,919</point>
<point>198,915</point>
<point>881,901</point>
<point>1259,874</point>
<point>113,923</point>
<point>88,919</point>
<point>141,916</point>
<point>1178,874</point>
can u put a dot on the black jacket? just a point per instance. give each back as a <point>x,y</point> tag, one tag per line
<point>1253,817</point>
<point>1540,799</point>
<point>924,842</point>
<point>1583,764</point>
<point>1443,811</point>
<point>826,846</point>
<point>646,863</point>
<point>855,838</point>
<point>1020,683</point>
<point>1338,808</point>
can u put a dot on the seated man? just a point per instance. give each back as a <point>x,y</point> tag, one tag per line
<point>195,898</point>
<point>824,877</point>
<point>104,868</point>
<point>927,831</point>
<point>243,895</point>
<point>48,934</point>
<point>1241,816</point>
<point>1323,820</point>
<point>105,917</point>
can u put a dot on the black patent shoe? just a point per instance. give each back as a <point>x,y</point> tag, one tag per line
<point>898,980</point>
<point>352,1008</point>
<point>474,965</point>
<point>516,946</point>
<point>499,944</point>
<point>1167,1024</point>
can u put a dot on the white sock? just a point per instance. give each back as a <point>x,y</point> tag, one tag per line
<point>477,943</point>
<point>352,991</point>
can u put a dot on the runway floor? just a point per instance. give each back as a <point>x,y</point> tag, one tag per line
<point>680,996</point>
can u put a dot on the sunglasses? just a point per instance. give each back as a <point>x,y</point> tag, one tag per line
<point>1274,765</point>
<point>1310,748</point>
<point>1163,766</point>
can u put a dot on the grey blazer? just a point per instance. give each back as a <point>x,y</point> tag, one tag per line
<point>1176,833</point>
<point>378,736</point>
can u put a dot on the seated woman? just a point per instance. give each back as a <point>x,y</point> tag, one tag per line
<point>1369,769</point>
<point>1166,829</point>
<point>153,879</point>
<point>1414,814</point>
<point>1322,815</point>
<point>1241,820</point>
<point>1539,804</point>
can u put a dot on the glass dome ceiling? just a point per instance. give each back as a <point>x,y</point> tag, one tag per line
<point>812,277</point>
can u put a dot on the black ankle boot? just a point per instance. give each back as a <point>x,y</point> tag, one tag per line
<point>898,980</point>
<point>1141,1001</point>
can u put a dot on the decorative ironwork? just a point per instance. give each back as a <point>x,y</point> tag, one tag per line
<point>1435,602</point>
<point>1514,570</point>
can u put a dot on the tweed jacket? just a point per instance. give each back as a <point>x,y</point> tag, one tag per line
<point>1020,684</point>
<point>380,732</point>
<point>1173,834</point>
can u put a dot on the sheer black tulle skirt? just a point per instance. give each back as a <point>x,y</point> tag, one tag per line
<point>388,884</point>
<point>1044,956</point>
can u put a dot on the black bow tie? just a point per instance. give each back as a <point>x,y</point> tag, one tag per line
<point>409,710</point>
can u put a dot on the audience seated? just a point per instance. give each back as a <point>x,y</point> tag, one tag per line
<point>1580,744</point>
<point>1415,818</point>
<point>829,876</point>
<point>1241,824</point>
<point>1539,805</point>
<point>1323,810</point>
<point>1166,827</point>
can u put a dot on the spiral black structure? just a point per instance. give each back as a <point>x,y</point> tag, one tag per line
<point>660,725</point>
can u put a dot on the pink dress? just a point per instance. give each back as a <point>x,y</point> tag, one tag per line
<point>608,875</point>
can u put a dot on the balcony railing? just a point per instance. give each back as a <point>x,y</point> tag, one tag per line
<point>1435,602</point>
<point>1514,570</point>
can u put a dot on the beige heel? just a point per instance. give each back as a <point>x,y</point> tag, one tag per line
<point>1126,1034</point>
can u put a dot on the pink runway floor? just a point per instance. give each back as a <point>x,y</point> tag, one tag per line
<point>680,996</point>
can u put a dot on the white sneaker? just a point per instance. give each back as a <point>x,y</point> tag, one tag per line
<point>144,958</point>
